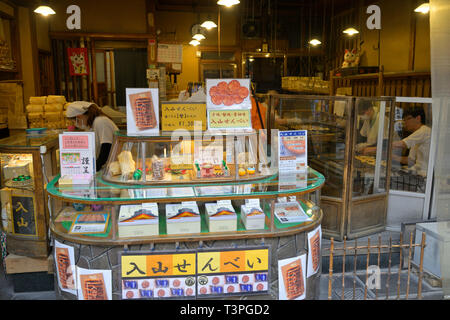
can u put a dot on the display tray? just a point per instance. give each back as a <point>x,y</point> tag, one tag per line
<point>63,224</point>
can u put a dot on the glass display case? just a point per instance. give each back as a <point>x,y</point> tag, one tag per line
<point>179,159</point>
<point>349,142</point>
<point>27,163</point>
<point>102,207</point>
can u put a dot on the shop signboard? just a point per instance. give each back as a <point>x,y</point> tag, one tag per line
<point>228,103</point>
<point>292,151</point>
<point>23,213</point>
<point>195,273</point>
<point>142,112</point>
<point>180,115</point>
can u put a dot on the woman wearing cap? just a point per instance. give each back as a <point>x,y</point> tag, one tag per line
<point>90,117</point>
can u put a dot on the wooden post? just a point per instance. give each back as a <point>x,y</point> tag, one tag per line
<point>330,274</point>
<point>343,267</point>
<point>422,248</point>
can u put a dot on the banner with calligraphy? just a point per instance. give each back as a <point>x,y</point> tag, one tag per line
<point>192,274</point>
<point>179,115</point>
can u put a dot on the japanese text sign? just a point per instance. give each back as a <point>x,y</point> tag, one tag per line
<point>176,115</point>
<point>229,119</point>
<point>202,273</point>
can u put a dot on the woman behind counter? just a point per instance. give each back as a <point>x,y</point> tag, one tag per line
<point>88,116</point>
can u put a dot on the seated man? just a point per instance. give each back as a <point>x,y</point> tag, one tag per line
<point>418,142</point>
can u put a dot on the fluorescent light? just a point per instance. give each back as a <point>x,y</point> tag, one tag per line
<point>44,10</point>
<point>423,8</point>
<point>315,42</point>
<point>194,43</point>
<point>208,25</point>
<point>350,31</point>
<point>198,36</point>
<point>228,3</point>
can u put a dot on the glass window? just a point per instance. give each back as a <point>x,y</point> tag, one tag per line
<point>411,146</point>
<point>327,122</point>
<point>371,138</point>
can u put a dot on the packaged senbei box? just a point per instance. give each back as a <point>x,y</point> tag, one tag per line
<point>221,216</point>
<point>138,220</point>
<point>183,218</point>
<point>252,216</point>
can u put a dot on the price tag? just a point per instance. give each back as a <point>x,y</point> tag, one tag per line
<point>252,203</point>
<point>225,203</point>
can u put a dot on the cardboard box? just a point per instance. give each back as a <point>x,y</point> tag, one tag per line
<point>221,217</point>
<point>253,217</point>
<point>183,218</point>
<point>138,220</point>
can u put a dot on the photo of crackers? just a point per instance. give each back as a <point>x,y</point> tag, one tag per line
<point>143,110</point>
<point>228,94</point>
<point>293,279</point>
<point>93,286</point>
<point>63,263</point>
<point>314,245</point>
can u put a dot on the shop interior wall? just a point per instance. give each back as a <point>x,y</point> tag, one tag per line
<point>396,38</point>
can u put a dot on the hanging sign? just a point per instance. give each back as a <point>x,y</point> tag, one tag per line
<point>78,61</point>
<point>179,115</point>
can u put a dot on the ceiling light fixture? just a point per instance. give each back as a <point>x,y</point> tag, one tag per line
<point>194,43</point>
<point>44,10</point>
<point>315,42</point>
<point>423,8</point>
<point>228,3</point>
<point>198,36</point>
<point>350,31</point>
<point>208,25</point>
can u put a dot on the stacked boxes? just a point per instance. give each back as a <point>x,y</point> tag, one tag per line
<point>47,111</point>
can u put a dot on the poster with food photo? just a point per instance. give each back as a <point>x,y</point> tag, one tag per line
<point>94,284</point>
<point>292,278</point>
<point>142,112</point>
<point>292,151</point>
<point>314,247</point>
<point>229,94</point>
<point>65,267</point>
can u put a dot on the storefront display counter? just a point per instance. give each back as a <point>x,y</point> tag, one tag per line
<point>27,163</point>
<point>355,195</point>
<point>93,221</point>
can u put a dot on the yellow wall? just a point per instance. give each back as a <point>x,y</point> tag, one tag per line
<point>106,16</point>
<point>395,37</point>
<point>26,51</point>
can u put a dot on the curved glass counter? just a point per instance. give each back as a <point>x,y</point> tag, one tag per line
<point>104,199</point>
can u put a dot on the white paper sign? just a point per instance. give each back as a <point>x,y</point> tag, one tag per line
<point>292,278</point>
<point>77,156</point>
<point>314,248</point>
<point>292,151</point>
<point>142,112</point>
<point>64,257</point>
<point>94,284</point>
